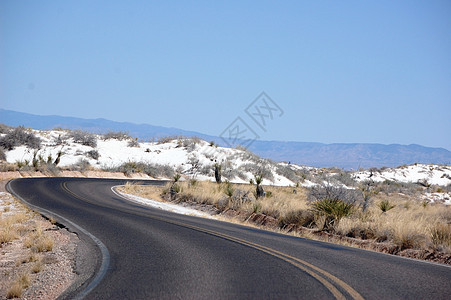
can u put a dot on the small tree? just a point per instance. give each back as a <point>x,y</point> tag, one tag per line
<point>175,188</point>
<point>260,192</point>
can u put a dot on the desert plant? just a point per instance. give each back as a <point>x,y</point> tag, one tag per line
<point>176,177</point>
<point>441,234</point>
<point>94,154</point>
<point>2,154</point>
<point>133,143</point>
<point>385,205</point>
<point>37,267</point>
<point>116,135</point>
<point>83,137</point>
<point>18,137</point>
<point>228,189</point>
<point>328,191</point>
<point>58,158</point>
<point>218,169</point>
<point>15,291</point>
<point>4,128</point>
<point>297,217</point>
<point>259,191</point>
<point>333,210</point>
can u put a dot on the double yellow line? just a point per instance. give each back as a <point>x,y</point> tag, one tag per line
<point>330,281</point>
<point>325,278</point>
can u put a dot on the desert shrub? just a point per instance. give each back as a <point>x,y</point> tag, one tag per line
<point>331,192</point>
<point>133,143</point>
<point>441,234</point>
<point>81,166</point>
<point>94,154</point>
<point>151,169</point>
<point>116,135</point>
<point>299,217</point>
<point>385,205</point>
<point>2,154</point>
<point>258,168</point>
<point>389,186</point>
<point>228,189</point>
<point>344,178</point>
<point>4,128</point>
<point>230,173</point>
<point>83,137</point>
<point>287,172</point>
<point>206,170</point>
<point>168,139</point>
<point>19,137</point>
<point>330,212</point>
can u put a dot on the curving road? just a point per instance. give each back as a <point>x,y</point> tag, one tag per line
<point>152,253</point>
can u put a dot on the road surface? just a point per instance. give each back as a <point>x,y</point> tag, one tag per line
<point>147,253</point>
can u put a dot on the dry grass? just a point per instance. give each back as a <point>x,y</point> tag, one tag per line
<point>11,226</point>
<point>15,291</point>
<point>38,241</point>
<point>22,282</point>
<point>409,224</point>
<point>37,267</point>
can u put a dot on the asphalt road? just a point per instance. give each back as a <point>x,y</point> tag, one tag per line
<point>157,254</point>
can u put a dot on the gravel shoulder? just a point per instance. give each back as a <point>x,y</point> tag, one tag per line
<point>29,270</point>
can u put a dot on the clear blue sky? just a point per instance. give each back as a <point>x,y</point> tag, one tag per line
<point>342,71</point>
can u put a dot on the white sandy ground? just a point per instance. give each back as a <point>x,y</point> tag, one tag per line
<point>161,205</point>
<point>431,174</point>
<point>185,158</point>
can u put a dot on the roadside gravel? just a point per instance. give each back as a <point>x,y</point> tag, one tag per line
<point>27,272</point>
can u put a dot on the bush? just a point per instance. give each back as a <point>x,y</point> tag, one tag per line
<point>19,137</point>
<point>94,154</point>
<point>83,137</point>
<point>258,168</point>
<point>4,128</point>
<point>441,234</point>
<point>287,172</point>
<point>385,205</point>
<point>116,135</point>
<point>389,186</point>
<point>335,193</point>
<point>344,178</point>
<point>81,166</point>
<point>133,143</point>
<point>2,154</point>
<point>300,217</point>
<point>332,211</point>
<point>153,170</point>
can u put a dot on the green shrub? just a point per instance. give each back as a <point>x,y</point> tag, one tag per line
<point>333,210</point>
<point>385,205</point>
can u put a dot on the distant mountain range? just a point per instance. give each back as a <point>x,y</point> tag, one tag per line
<point>347,156</point>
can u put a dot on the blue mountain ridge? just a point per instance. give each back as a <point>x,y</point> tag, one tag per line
<point>341,155</point>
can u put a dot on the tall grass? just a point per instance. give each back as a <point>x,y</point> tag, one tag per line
<point>405,223</point>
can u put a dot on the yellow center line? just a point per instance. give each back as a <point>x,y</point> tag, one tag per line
<point>309,268</point>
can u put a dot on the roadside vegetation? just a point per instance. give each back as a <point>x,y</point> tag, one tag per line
<point>372,216</point>
<point>23,243</point>
<point>324,203</point>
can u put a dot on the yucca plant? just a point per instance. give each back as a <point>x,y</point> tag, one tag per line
<point>385,205</point>
<point>333,210</point>
<point>229,190</point>
<point>259,190</point>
